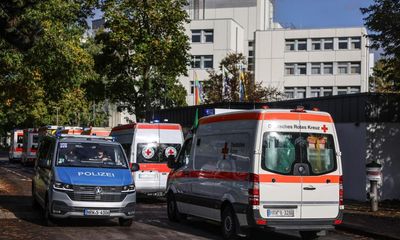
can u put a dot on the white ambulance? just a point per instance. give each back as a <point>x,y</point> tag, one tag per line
<point>30,146</point>
<point>17,143</point>
<point>149,145</point>
<point>270,169</point>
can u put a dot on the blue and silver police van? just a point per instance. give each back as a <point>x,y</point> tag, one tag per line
<point>82,176</point>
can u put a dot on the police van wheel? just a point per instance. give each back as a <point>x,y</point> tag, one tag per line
<point>125,222</point>
<point>172,209</point>
<point>229,223</point>
<point>308,235</point>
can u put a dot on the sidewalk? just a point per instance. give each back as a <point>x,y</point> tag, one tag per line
<point>384,224</point>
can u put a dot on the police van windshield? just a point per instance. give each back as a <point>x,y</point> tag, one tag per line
<point>281,150</point>
<point>77,154</point>
<point>156,152</point>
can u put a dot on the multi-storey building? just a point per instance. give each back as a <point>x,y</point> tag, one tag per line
<point>299,62</point>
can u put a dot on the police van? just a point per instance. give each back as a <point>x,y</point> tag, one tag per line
<point>149,145</point>
<point>30,144</point>
<point>269,169</point>
<point>16,145</point>
<point>84,177</point>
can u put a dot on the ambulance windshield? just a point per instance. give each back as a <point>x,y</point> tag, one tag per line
<point>281,150</point>
<point>97,155</point>
<point>156,152</point>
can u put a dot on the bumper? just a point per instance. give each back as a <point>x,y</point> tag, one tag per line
<point>63,207</point>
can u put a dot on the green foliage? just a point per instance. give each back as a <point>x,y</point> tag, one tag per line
<point>381,80</point>
<point>145,50</point>
<point>383,21</point>
<point>44,62</point>
<point>254,92</point>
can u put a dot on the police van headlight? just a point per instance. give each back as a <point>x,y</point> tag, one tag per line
<point>63,186</point>
<point>128,188</point>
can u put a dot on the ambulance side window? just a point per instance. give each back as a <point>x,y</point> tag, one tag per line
<point>209,152</point>
<point>127,149</point>
<point>184,156</point>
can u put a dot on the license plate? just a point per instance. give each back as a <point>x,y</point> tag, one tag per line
<point>96,212</point>
<point>147,176</point>
<point>280,212</point>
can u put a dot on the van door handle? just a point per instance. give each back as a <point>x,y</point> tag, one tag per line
<point>309,188</point>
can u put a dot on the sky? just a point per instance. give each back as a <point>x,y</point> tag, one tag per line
<point>320,13</point>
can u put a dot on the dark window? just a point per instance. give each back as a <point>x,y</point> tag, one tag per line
<point>208,36</point>
<point>196,36</point>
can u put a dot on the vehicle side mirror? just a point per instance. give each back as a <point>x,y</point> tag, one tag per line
<point>135,167</point>
<point>171,162</point>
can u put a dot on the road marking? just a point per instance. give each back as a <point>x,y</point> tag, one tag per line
<point>23,177</point>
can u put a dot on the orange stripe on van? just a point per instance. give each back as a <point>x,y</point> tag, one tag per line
<point>160,167</point>
<point>268,116</point>
<point>298,179</point>
<point>159,126</point>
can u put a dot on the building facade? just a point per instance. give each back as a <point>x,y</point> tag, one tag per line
<point>299,62</point>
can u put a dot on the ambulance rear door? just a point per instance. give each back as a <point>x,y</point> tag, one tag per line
<point>322,170</point>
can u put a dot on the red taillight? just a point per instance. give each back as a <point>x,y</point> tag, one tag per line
<point>341,191</point>
<point>254,189</point>
<point>261,222</point>
<point>337,222</point>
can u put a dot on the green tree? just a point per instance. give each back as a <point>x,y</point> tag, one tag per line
<point>145,50</point>
<point>379,81</point>
<point>383,21</point>
<point>253,91</point>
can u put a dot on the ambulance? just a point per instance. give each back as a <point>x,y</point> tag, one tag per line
<point>97,131</point>
<point>270,169</point>
<point>149,145</point>
<point>30,146</point>
<point>17,143</point>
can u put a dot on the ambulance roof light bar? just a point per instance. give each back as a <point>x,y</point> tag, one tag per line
<point>298,109</point>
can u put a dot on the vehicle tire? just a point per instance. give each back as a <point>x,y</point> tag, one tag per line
<point>229,223</point>
<point>47,219</point>
<point>125,222</point>
<point>172,209</point>
<point>10,159</point>
<point>308,235</point>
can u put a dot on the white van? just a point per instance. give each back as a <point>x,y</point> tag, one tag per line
<point>149,145</point>
<point>271,169</point>
<point>16,145</point>
<point>30,146</point>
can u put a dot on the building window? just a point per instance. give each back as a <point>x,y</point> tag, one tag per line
<point>203,36</point>
<point>328,44</point>
<point>316,44</point>
<point>302,45</point>
<point>341,90</point>
<point>315,92</point>
<point>343,68</point>
<point>327,92</point>
<point>290,45</point>
<point>355,68</point>
<point>343,43</point>
<point>208,61</point>
<point>300,92</point>
<point>315,68</point>
<point>208,36</point>
<point>289,93</point>
<point>328,68</point>
<point>289,68</point>
<point>355,43</point>
<point>205,61</point>
<point>301,69</point>
<point>354,89</point>
<point>196,36</point>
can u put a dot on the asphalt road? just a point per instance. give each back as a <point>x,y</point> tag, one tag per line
<point>19,221</point>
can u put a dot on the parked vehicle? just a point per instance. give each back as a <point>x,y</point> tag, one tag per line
<point>72,130</point>
<point>29,146</point>
<point>269,169</point>
<point>17,143</point>
<point>83,176</point>
<point>97,131</point>
<point>149,145</point>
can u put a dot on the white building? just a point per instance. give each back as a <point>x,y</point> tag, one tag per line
<point>300,62</point>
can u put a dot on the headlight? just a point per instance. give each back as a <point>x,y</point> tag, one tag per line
<point>128,188</point>
<point>63,186</point>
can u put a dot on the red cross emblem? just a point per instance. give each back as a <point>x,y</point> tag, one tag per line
<point>324,128</point>
<point>225,150</point>
<point>170,151</point>
<point>148,152</point>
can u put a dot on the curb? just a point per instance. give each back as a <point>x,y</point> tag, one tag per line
<point>362,231</point>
